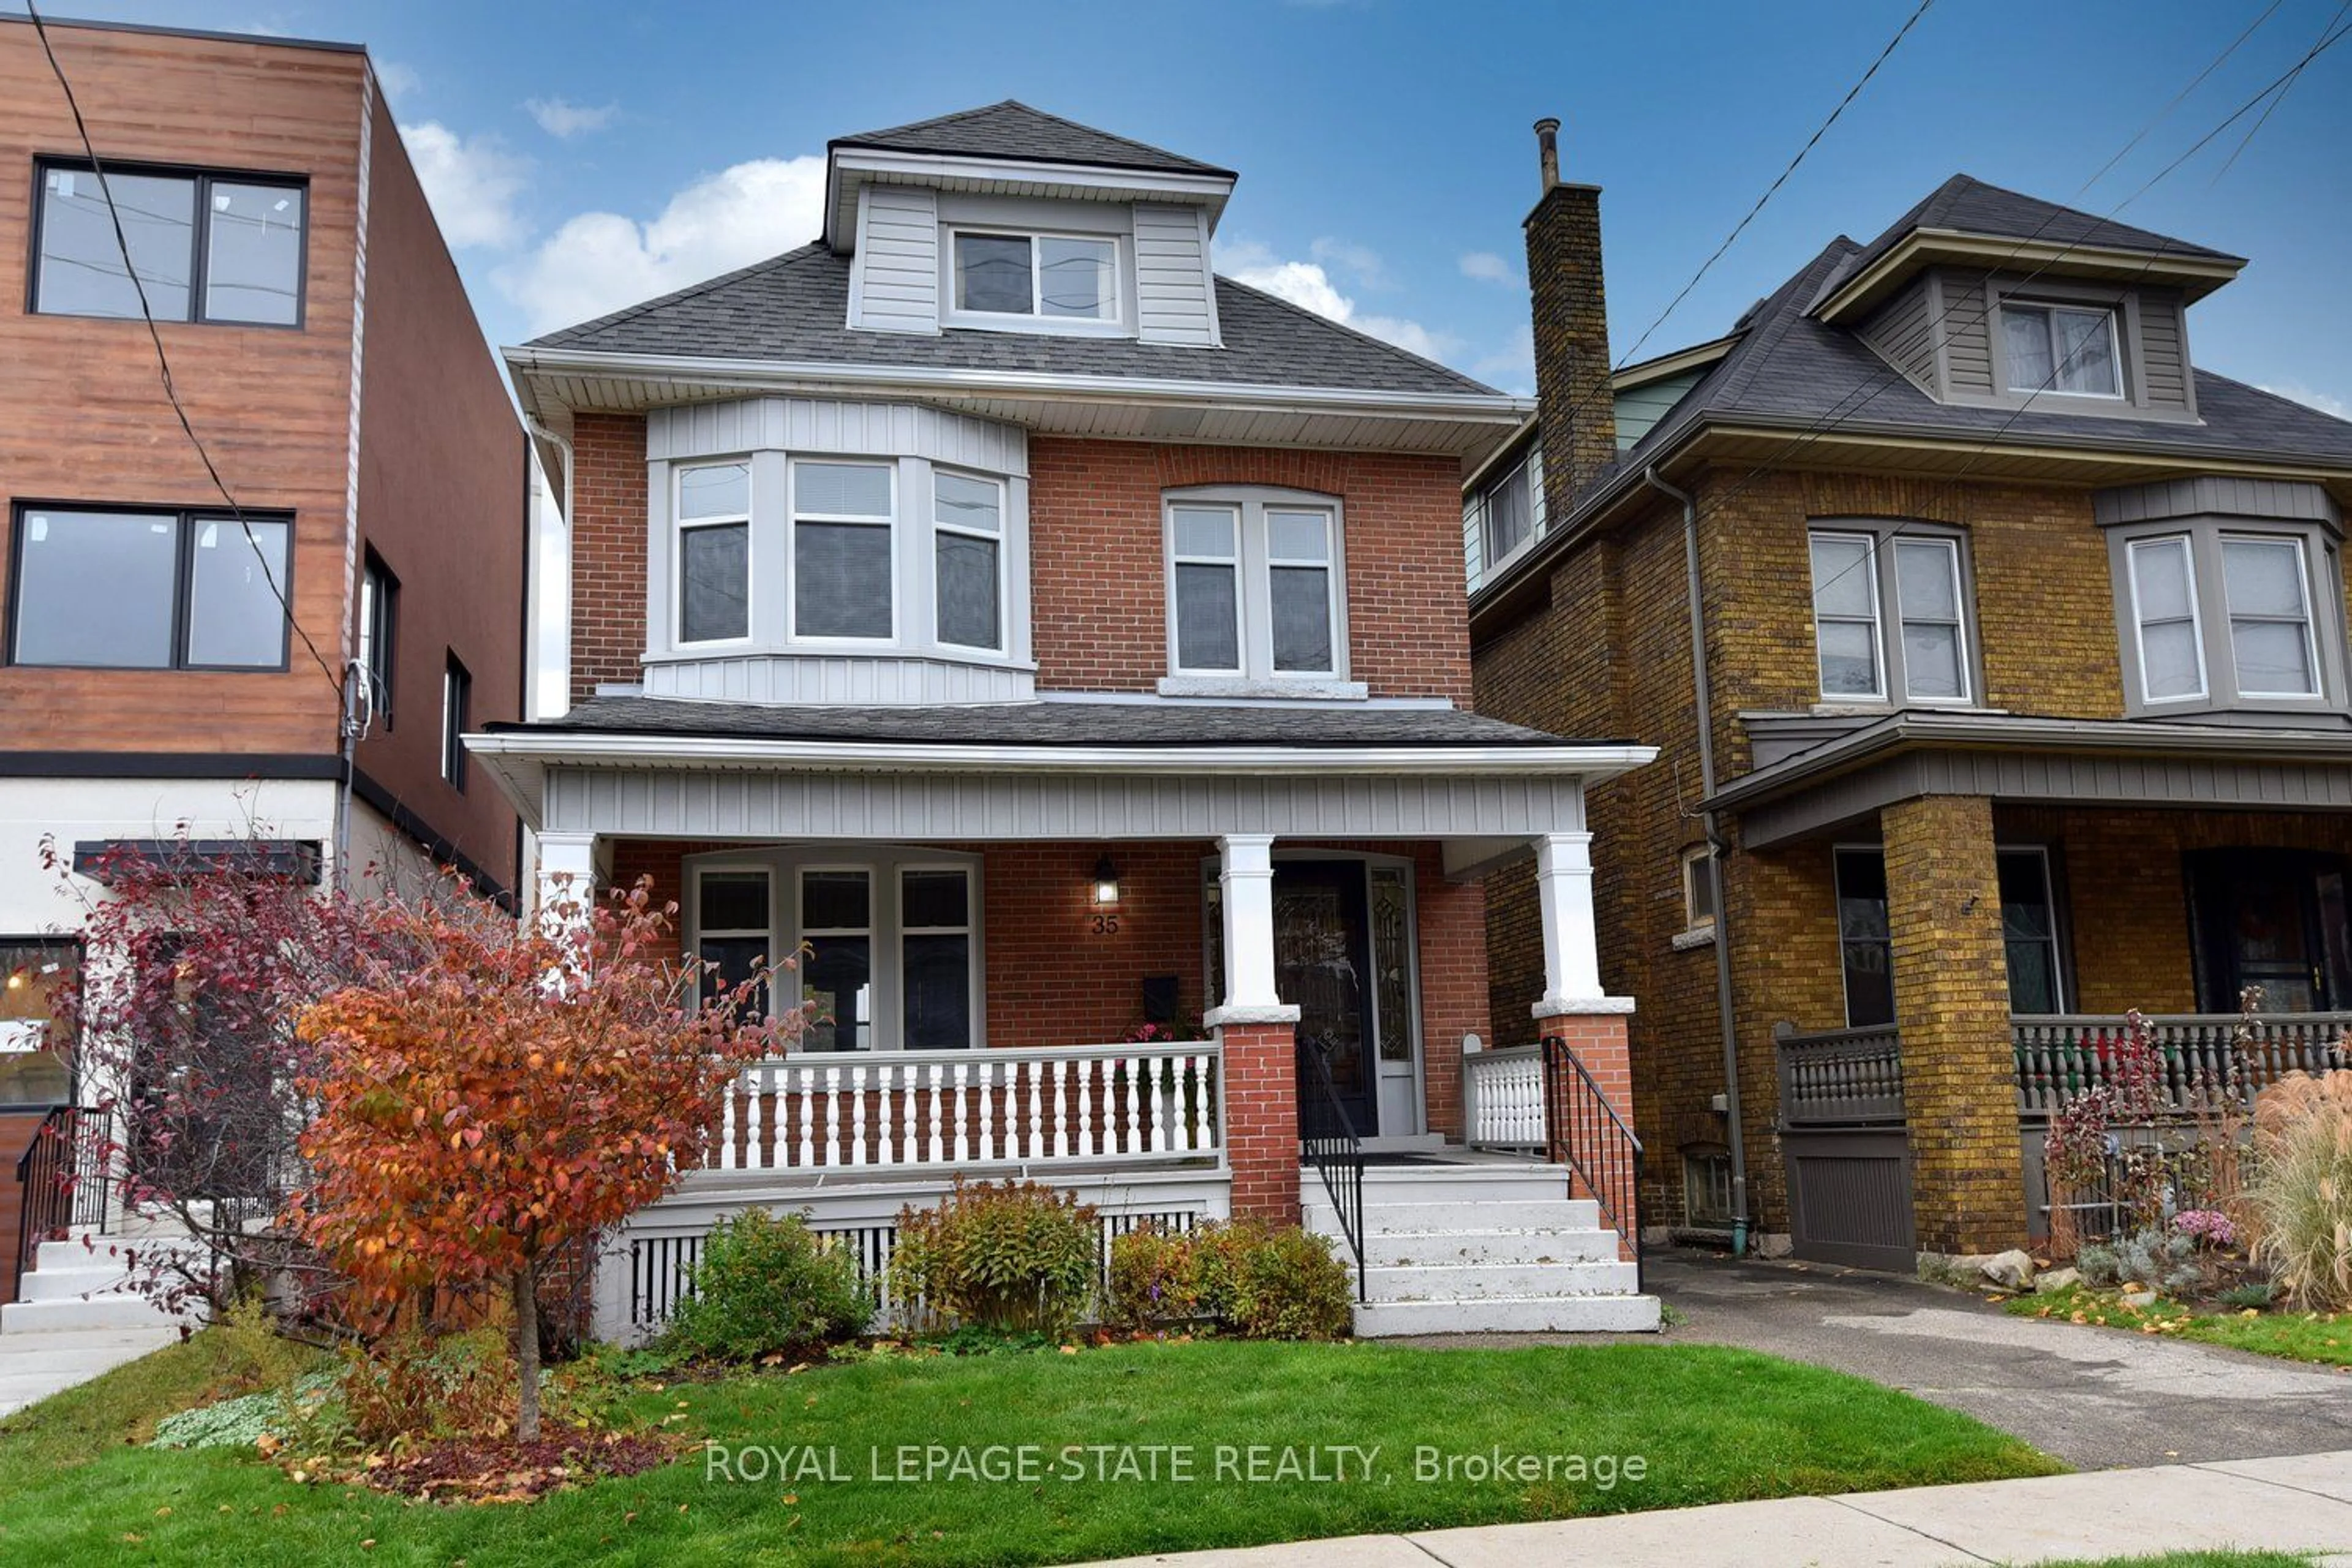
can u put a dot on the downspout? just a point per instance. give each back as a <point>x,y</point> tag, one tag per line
<point>1703,695</point>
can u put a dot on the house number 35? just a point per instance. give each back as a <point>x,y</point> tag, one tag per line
<point>1105,925</point>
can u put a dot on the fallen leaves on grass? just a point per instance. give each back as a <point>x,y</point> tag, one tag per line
<point>484,1471</point>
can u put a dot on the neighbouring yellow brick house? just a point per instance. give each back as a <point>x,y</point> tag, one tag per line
<point>2022,647</point>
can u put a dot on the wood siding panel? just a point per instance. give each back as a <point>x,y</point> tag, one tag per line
<point>898,259</point>
<point>2164,348</point>
<point>1173,302</point>
<point>83,405</point>
<point>1902,331</point>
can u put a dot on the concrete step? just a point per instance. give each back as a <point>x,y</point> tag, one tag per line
<point>1499,1281</point>
<point>65,1284</point>
<point>1426,1218</point>
<point>111,1310</point>
<point>1460,1183</point>
<point>114,1252</point>
<point>1624,1315</point>
<point>1491,1247</point>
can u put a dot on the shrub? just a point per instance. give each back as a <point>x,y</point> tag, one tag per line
<point>2210,1228</point>
<point>1294,1288</point>
<point>1254,1281</point>
<point>768,1284</point>
<point>2255,1293</point>
<point>2300,1194</point>
<point>2158,1259</point>
<point>2096,1262</point>
<point>1154,1278</point>
<point>1016,1257</point>
<point>410,1385</point>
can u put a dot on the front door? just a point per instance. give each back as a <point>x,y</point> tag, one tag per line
<point>1322,966</point>
<point>2274,920</point>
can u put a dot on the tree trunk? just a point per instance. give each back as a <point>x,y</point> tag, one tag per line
<point>525,1310</point>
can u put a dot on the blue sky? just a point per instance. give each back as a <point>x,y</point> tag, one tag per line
<point>587,154</point>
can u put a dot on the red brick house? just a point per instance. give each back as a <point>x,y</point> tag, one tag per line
<point>1048,639</point>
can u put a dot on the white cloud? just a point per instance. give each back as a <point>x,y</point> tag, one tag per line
<point>1486,267</point>
<point>1309,286</point>
<point>601,261</point>
<point>1361,263</point>
<point>1513,366</point>
<point>399,81</point>
<point>473,183</point>
<point>562,118</point>
<point>2322,401</point>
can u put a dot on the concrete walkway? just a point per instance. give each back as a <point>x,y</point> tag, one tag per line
<point>35,1365</point>
<point>2298,1504</point>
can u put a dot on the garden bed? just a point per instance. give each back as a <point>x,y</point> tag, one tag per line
<point>884,1459</point>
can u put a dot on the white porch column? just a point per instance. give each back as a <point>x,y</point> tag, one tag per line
<point>1570,939</point>
<point>1246,883</point>
<point>564,887</point>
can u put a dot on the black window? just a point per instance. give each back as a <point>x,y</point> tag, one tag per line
<point>456,718</point>
<point>2029,929</point>
<point>1865,943</point>
<point>149,590</point>
<point>205,246</point>
<point>379,618</point>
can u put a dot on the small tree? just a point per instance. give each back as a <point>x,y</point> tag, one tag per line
<point>510,1090</point>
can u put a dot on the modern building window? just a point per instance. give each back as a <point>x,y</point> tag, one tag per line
<point>146,590</point>
<point>1064,277</point>
<point>1699,899</point>
<point>838,929</point>
<point>2058,348</point>
<point>2029,929</point>
<point>733,916</point>
<point>34,1075</point>
<point>1865,941</point>
<point>714,552</point>
<point>456,718</point>
<point>1254,586</point>
<point>968,559</point>
<point>1505,514</point>
<point>2270,644</point>
<point>935,957</point>
<point>1890,615</point>
<point>844,585</point>
<point>203,246</point>
<point>378,626</point>
<point>2164,610</point>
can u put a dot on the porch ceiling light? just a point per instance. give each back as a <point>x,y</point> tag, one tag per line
<point>1105,881</point>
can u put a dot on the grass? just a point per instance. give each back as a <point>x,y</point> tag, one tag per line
<point>2225,1558</point>
<point>2325,1338</point>
<point>1712,1424</point>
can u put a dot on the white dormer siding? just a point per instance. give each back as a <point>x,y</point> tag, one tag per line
<point>1175,301</point>
<point>894,285</point>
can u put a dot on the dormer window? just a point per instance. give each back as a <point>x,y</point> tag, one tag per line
<point>1047,276</point>
<point>2061,348</point>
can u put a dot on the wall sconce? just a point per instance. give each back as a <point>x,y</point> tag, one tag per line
<point>1105,882</point>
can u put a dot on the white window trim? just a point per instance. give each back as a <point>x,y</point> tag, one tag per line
<point>694,907</point>
<point>885,976</point>
<point>1234,562</point>
<point>1001,539</point>
<point>1527,467</point>
<point>2187,546</point>
<point>1902,619</point>
<point>2309,619</point>
<point>951,314</point>
<point>1869,570</point>
<point>894,637</point>
<point>1253,599</point>
<point>2047,310</point>
<point>680,525</point>
<point>1328,566</point>
<point>1693,857</point>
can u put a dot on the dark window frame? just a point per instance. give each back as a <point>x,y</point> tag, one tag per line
<point>185,519</point>
<point>199,235</point>
<point>456,718</point>
<point>380,605</point>
<point>72,1054</point>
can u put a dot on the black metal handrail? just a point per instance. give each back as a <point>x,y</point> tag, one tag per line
<point>1589,1136</point>
<point>63,1175</point>
<point>1327,1141</point>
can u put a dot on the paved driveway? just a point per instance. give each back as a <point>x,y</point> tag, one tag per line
<point>2093,1397</point>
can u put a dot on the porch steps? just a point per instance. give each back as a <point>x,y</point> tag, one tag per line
<point>74,1286</point>
<point>1484,1249</point>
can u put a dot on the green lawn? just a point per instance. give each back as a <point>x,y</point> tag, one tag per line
<point>2322,1337</point>
<point>1710,1425</point>
<point>2199,1559</point>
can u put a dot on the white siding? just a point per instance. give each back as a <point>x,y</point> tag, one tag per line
<point>864,680</point>
<point>1175,302</point>
<point>895,286</point>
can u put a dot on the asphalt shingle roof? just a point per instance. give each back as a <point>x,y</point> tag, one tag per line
<point>1968,205</point>
<point>1175,725</point>
<point>793,308</point>
<point>1013,130</point>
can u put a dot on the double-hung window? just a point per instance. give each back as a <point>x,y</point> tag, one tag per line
<point>714,552</point>
<point>147,590</point>
<point>1505,514</point>
<point>1255,586</point>
<point>1890,616</point>
<point>837,926</point>
<point>843,581</point>
<point>2270,643</point>
<point>2058,348</point>
<point>203,246</point>
<point>2028,924</point>
<point>2219,613</point>
<point>968,559</point>
<point>1050,276</point>
<point>2164,614</point>
<point>732,920</point>
<point>379,623</point>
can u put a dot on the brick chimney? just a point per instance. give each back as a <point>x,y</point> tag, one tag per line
<point>1571,331</point>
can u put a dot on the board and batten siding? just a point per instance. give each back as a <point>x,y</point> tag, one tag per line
<point>1902,331</point>
<point>896,282</point>
<point>1174,301</point>
<point>1968,334</point>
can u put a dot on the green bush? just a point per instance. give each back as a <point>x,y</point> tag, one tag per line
<point>768,1284</point>
<point>1014,1257</point>
<point>1259,1283</point>
<point>2302,1189</point>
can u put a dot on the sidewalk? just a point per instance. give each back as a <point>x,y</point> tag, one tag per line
<point>2295,1504</point>
<point>34,1366</point>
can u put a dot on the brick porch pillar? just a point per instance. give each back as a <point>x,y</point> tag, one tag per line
<point>1951,1003</point>
<point>1257,1034</point>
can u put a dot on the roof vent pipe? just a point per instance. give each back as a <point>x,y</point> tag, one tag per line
<point>1548,148</point>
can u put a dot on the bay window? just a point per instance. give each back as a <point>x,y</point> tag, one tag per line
<point>1255,586</point>
<point>2215,613</point>
<point>2164,607</point>
<point>2270,617</point>
<point>844,584</point>
<point>968,559</point>
<point>714,552</point>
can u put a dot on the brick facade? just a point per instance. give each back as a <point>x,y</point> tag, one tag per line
<point>608,550</point>
<point>1261,1066</point>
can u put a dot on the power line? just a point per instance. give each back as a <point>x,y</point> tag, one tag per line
<point>164,363</point>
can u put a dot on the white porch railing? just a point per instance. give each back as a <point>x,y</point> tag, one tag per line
<point>1503,1097</point>
<point>904,1110</point>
